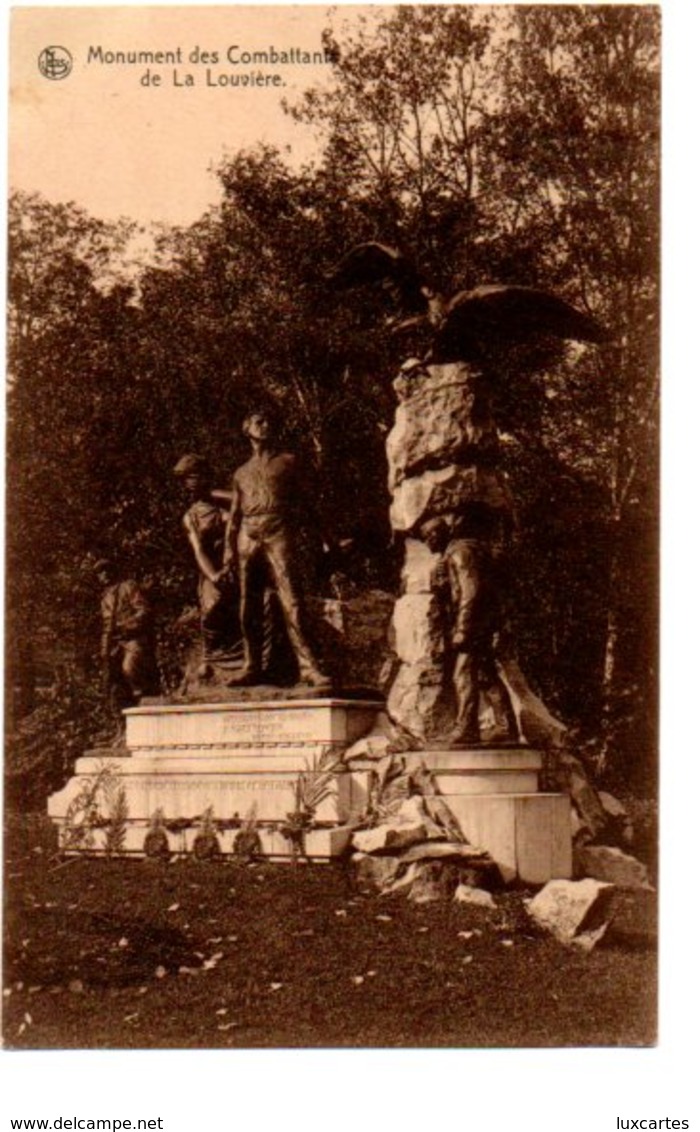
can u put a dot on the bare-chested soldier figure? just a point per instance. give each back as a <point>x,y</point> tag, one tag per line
<point>474,618</point>
<point>265,505</point>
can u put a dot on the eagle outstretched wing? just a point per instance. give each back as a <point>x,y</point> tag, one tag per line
<point>461,327</point>
<point>498,313</point>
<point>519,312</point>
<point>378,263</point>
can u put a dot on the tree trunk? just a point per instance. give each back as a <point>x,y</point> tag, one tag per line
<point>611,654</point>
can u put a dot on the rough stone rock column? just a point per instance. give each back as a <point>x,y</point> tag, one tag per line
<point>442,454</point>
<point>416,698</point>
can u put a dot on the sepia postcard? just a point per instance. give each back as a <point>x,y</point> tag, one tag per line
<point>332,531</point>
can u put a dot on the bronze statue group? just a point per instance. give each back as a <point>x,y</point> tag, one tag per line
<point>245,547</point>
<point>251,576</point>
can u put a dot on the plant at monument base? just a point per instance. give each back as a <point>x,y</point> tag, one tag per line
<point>156,844</point>
<point>178,827</point>
<point>389,787</point>
<point>294,830</point>
<point>246,842</point>
<point>206,843</point>
<point>83,814</point>
<point>115,830</point>
<point>314,785</point>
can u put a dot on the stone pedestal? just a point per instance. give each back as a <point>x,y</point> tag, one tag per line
<point>493,794</point>
<point>443,469</point>
<point>242,760</point>
<point>504,769</point>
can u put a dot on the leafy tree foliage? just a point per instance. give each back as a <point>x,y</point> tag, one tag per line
<point>578,156</point>
<point>404,126</point>
<point>62,364</point>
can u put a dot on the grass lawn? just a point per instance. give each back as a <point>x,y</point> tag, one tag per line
<point>141,954</point>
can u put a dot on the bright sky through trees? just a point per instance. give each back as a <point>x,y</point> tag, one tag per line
<point>120,148</point>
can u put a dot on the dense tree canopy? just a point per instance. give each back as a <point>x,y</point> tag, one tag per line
<point>504,145</point>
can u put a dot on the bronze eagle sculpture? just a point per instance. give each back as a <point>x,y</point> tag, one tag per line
<point>461,327</point>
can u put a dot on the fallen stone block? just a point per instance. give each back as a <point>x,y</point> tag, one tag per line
<point>476,867</point>
<point>485,875</point>
<point>425,891</point>
<point>465,894</point>
<point>574,911</point>
<point>374,744</point>
<point>588,939</point>
<point>414,811</point>
<point>634,918</point>
<point>388,838</point>
<point>451,849</point>
<point>604,862</point>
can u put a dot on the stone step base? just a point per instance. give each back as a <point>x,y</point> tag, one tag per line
<point>266,796</point>
<point>480,759</point>
<point>204,762</point>
<point>319,844</point>
<point>495,782</point>
<point>186,786</point>
<point>528,835</point>
<point>255,724</point>
<point>504,769</point>
<point>245,769</point>
<point>243,760</point>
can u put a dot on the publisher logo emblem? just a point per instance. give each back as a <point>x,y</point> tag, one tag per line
<point>55,63</point>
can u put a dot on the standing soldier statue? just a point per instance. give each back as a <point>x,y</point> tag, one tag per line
<point>266,505</point>
<point>127,649</point>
